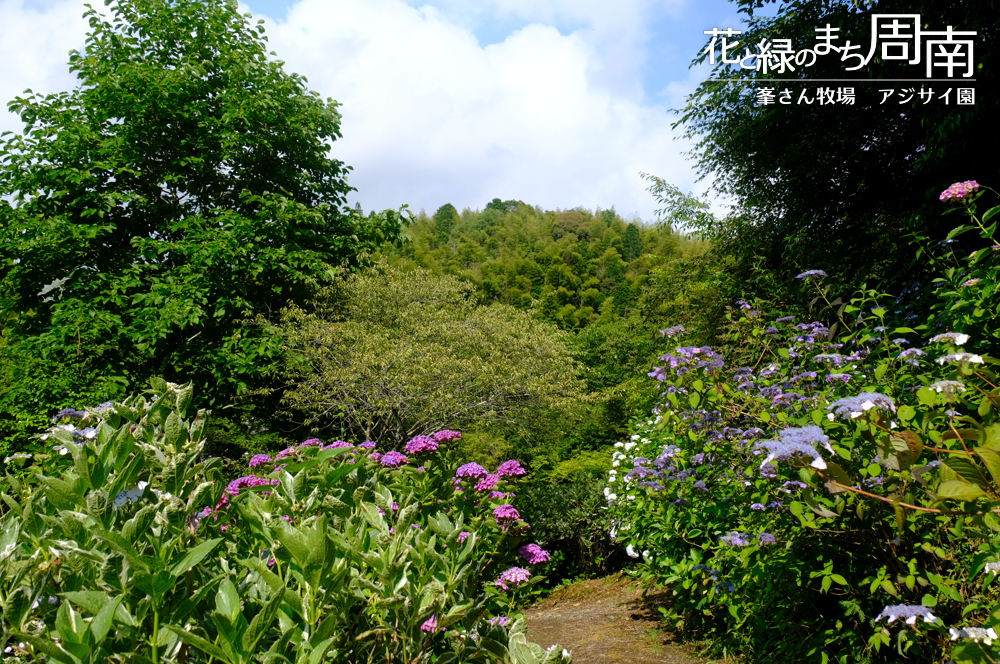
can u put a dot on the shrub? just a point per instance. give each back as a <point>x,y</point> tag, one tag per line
<point>125,544</point>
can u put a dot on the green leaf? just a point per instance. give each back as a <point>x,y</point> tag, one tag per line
<point>263,621</point>
<point>194,556</point>
<point>201,644</point>
<point>991,459</point>
<point>927,397</point>
<point>101,624</point>
<point>959,490</point>
<point>227,601</point>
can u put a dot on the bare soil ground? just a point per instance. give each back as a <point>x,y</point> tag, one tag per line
<point>606,621</point>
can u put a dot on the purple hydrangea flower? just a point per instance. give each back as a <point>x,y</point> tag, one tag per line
<point>392,459</point>
<point>473,470</point>
<point>512,467</point>
<point>812,274</point>
<point>367,445</point>
<point>757,506</point>
<point>462,536</point>
<point>515,576</point>
<point>431,624</point>
<point>506,513</point>
<point>767,538</point>
<point>312,442</point>
<point>421,444</point>
<point>534,554</point>
<point>445,435</point>
<point>488,483</point>
<point>499,620</point>
<point>258,459</point>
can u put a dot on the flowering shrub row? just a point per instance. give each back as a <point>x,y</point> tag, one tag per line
<point>801,505</point>
<point>124,544</point>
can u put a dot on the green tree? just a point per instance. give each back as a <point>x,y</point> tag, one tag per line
<point>390,355</point>
<point>632,242</point>
<point>444,220</point>
<point>183,186</point>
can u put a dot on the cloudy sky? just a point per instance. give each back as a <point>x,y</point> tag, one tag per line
<point>558,103</point>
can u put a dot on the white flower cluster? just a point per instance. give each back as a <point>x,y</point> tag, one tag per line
<point>130,495</point>
<point>632,553</point>
<point>976,634</point>
<point>566,655</point>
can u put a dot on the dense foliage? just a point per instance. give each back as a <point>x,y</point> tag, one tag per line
<point>811,182</point>
<point>124,543</point>
<point>184,186</point>
<point>389,355</point>
<point>795,502</point>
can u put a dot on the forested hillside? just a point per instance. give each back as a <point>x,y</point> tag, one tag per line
<point>612,282</point>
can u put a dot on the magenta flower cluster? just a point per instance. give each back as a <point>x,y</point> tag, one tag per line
<point>514,577</point>
<point>959,191</point>
<point>534,554</point>
<point>421,444</point>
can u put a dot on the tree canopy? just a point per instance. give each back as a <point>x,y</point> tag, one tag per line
<point>389,355</point>
<point>835,186</point>
<point>184,185</point>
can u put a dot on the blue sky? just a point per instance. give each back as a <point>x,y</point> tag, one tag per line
<point>558,103</point>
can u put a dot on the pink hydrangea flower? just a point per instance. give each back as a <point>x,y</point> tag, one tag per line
<point>445,435</point>
<point>462,536</point>
<point>959,191</point>
<point>259,459</point>
<point>430,625</point>
<point>393,459</point>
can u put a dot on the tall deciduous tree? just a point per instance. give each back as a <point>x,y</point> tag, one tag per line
<point>183,186</point>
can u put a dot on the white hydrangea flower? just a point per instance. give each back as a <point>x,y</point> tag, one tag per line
<point>619,444</point>
<point>992,567</point>
<point>956,338</point>
<point>629,446</point>
<point>976,634</point>
<point>960,358</point>
<point>632,553</point>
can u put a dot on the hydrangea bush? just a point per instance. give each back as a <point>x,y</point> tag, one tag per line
<point>125,544</point>
<point>836,499</point>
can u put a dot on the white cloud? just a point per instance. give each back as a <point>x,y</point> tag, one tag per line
<point>34,49</point>
<point>431,116</point>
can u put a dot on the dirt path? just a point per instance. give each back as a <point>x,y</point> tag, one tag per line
<point>602,621</point>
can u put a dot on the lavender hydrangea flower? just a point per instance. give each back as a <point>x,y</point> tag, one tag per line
<point>767,538</point>
<point>515,576</point>
<point>852,407</point>
<point>842,377</point>
<point>393,459</point>
<point>671,332</point>
<point>907,611</point>
<point>812,274</point>
<point>949,387</point>
<point>421,444</point>
<point>367,445</point>
<point>499,621</point>
<point>735,539</point>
